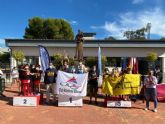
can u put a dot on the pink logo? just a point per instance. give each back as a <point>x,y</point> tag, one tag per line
<point>72,83</point>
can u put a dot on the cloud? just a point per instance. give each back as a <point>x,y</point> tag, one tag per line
<point>136,20</point>
<point>111,29</point>
<point>73,22</point>
<point>115,28</point>
<point>137,1</point>
<point>96,27</point>
<point>2,43</point>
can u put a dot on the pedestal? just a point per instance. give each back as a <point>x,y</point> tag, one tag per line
<point>69,101</point>
<point>119,104</point>
<point>26,100</point>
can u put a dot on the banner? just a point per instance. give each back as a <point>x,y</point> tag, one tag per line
<point>124,63</point>
<point>160,92</point>
<point>71,84</point>
<point>123,85</point>
<point>99,61</point>
<point>44,57</point>
<point>100,79</point>
<point>133,64</point>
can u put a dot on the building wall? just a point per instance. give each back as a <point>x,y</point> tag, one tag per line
<point>89,51</point>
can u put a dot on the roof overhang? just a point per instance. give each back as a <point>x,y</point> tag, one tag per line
<point>87,43</point>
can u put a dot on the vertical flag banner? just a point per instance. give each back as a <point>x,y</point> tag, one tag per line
<point>44,57</point>
<point>100,79</point>
<point>124,63</point>
<point>135,69</point>
<point>130,63</point>
<point>133,63</point>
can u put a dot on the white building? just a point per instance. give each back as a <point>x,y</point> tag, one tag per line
<point>116,48</point>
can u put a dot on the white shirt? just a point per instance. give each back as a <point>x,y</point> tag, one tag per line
<point>1,73</point>
<point>150,82</point>
<point>15,74</point>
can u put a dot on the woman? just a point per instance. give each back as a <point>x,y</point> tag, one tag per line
<point>65,66</point>
<point>37,79</point>
<point>106,73</point>
<point>150,83</point>
<point>25,80</point>
<point>15,76</point>
<point>115,73</point>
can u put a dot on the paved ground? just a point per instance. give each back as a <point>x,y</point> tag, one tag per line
<point>88,114</point>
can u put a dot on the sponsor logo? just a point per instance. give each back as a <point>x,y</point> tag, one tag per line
<point>72,83</point>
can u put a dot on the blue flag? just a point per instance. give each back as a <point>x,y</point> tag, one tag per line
<point>99,61</point>
<point>44,56</point>
<point>124,63</point>
<point>100,79</point>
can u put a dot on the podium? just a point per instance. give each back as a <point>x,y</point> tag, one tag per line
<point>26,100</point>
<point>119,104</point>
<point>69,101</point>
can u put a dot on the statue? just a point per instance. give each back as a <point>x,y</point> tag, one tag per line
<point>79,45</point>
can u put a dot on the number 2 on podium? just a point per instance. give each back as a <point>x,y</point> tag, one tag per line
<point>24,101</point>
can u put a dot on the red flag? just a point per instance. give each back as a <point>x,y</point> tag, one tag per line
<point>133,64</point>
<point>130,63</point>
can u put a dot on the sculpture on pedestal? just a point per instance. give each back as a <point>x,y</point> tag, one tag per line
<point>79,46</point>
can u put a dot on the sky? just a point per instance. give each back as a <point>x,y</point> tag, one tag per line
<point>104,17</point>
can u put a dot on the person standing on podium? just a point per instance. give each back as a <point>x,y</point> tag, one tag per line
<point>50,81</point>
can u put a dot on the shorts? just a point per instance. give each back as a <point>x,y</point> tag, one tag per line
<point>93,88</point>
<point>37,82</point>
<point>25,81</point>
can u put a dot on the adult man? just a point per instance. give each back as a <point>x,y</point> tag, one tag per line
<point>50,80</point>
<point>150,90</point>
<point>79,46</point>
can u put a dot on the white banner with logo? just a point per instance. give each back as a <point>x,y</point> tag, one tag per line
<point>71,84</point>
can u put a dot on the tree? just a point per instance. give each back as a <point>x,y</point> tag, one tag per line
<point>90,61</point>
<point>138,34</point>
<point>39,28</point>
<point>163,38</point>
<point>110,38</point>
<point>58,59</point>
<point>71,60</point>
<point>18,56</point>
<point>104,61</point>
<point>152,57</point>
<point>5,57</point>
